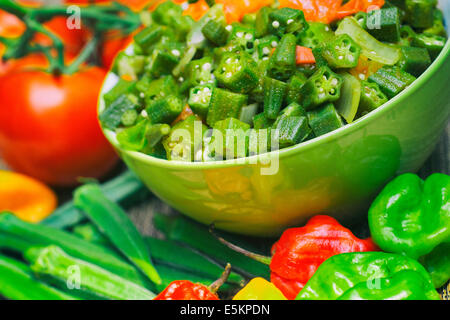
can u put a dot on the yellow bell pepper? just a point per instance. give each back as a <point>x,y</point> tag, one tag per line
<point>259,289</point>
<point>28,199</point>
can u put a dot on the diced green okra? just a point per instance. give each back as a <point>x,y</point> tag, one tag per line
<point>318,53</point>
<point>419,13</point>
<point>171,15</point>
<point>131,66</point>
<point>185,140</point>
<point>147,38</point>
<point>129,117</point>
<point>122,87</point>
<point>53,262</point>
<point>248,19</point>
<point>237,72</point>
<point>165,110</point>
<point>287,20</point>
<point>231,47</point>
<point>414,60</point>
<point>234,137</point>
<point>264,46</point>
<point>283,61</point>
<point>295,84</point>
<point>323,86</point>
<point>292,110</point>
<point>342,52</point>
<point>434,44</point>
<point>200,99</point>
<point>257,94</point>
<point>262,22</point>
<point>392,80</point>
<point>361,18</point>
<point>243,36</point>
<point>215,32</point>
<point>324,119</point>
<point>371,97</point>
<point>438,27</point>
<point>111,117</point>
<point>274,93</point>
<point>163,60</point>
<point>260,121</point>
<point>133,138</point>
<point>384,24</point>
<point>160,89</point>
<point>318,33</point>
<point>248,112</point>
<point>407,35</point>
<point>198,72</point>
<point>225,104</point>
<point>292,130</point>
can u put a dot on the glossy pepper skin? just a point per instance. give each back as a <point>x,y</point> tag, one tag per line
<point>364,273</point>
<point>186,290</point>
<point>300,251</point>
<point>259,289</point>
<point>410,216</point>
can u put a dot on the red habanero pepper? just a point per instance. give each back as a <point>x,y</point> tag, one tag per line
<point>187,290</point>
<point>300,252</point>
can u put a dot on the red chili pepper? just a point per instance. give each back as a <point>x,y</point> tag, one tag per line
<point>186,290</point>
<point>300,251</point>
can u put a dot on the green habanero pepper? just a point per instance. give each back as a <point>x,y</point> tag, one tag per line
<point>342,272</point>
<point>410,216</point>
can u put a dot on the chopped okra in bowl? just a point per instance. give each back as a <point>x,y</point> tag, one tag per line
<point>331,101</point>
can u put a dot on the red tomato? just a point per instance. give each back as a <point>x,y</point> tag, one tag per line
<point>113,44</point>
<point>48,125</point>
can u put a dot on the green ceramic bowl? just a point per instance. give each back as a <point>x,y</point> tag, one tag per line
<point>336,174</point>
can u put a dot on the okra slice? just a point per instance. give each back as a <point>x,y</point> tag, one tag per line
<point>122,87</point>
<point>317,34</point>
<point>319,56</point>
<point>260,121</point>
<point>160,89</point>
<point>147,38</point>
<point>225,104</point>
<point>200,99</point>
<point>287,20</point>
<point>361,18</point>
<point>434,44</point>
<point>292,130</point>
<point>215,32</point>
<point>111,117</point>
<point>243,36</point>
<point>371,97</point>
<point>384,24</point>
<point>419,13</point>
<point>262,22</point>
<point>237,72</point>
<point>414,60</point>
<point>198,72</point>
<point>323,86</point>
<point>324,119</point>
<point>392,80</point>
<point>343,52</point>
<point>234,137</point>
<point>248,112</point>
<point>407,35</point>
<point>133,138</point>
<point>283,61</point>
<point>264,46</point>
<point>438,27</point>
<point>165,110</point>
<point>274,93</point>
<point>295,84</point>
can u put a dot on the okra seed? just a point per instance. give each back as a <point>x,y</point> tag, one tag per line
<point>142,95</point>
<point>248,36</point>
<point>144,114</point>
<point>229,27</point>
<point>239,34</point>
<point>274,44</point>
<point>266,50</point>
<point>176,53</point>
<point>290,21</point>
<point>276,24</point>
<point>206,66</point>
<point>334,82</point>
<point>362,76</point>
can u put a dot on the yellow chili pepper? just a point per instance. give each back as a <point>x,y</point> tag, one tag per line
<point>28,199</point>
<point>259,289</point>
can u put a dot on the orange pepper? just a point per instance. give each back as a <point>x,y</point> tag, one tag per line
<point>365,68</point>
<point>186,113</point>
<point>28,199</point>
<point>305,55</point>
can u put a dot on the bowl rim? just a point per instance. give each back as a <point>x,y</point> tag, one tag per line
<point>286,152</point>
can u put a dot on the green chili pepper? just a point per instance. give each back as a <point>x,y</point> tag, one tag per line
<point>410,216</point>
<point>18,283</point>
<point>365,272</point>
<point>116,225</point>
<point>55,263</point>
